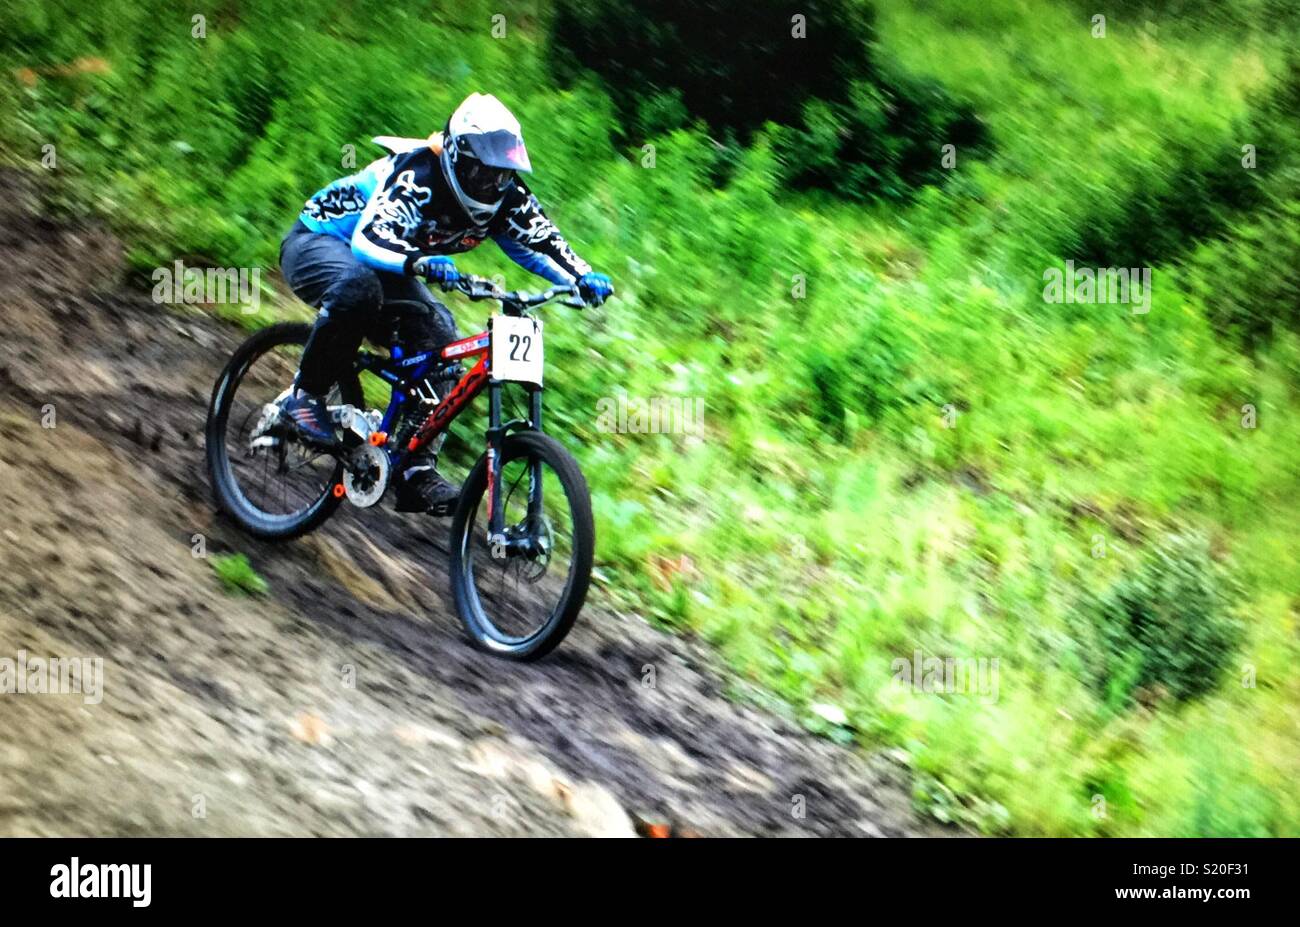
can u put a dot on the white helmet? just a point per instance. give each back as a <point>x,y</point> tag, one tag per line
<point>482,147</point>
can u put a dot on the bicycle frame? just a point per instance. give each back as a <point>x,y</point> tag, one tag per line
<point>404,373</point>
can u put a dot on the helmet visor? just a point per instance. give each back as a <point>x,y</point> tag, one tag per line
<point>500,148</point>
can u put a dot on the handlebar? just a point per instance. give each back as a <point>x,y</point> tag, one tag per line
<point>477,288</point>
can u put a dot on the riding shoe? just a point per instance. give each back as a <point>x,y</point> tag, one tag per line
<point>421,488</point>
<point>309,417</point>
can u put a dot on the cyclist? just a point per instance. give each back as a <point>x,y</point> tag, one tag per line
<point>370,236</point>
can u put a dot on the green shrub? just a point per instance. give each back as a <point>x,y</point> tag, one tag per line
<point>1247,281</point>
<point>759,73</point>
<point>1192,16</point>
<point>1247,277</point>
<point>1164,628</point>
<point>1185,194</point>
<point>884,139</point>
<point>861,373</point>
<point>858,127</point>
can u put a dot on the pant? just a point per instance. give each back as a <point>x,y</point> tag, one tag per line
<point>324,273</point>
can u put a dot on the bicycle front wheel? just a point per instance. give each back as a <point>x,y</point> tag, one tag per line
<point>519,599</point>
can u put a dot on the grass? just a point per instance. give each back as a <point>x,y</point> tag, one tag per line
<point>237,575</point>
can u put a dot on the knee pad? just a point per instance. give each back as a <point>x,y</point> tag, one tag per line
<point>354,296</point>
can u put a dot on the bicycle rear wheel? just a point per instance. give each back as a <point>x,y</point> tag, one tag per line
<point>273,486</point>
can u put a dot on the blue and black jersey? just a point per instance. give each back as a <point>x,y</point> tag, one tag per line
<point>400,207</point>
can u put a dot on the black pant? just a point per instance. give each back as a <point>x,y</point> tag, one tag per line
<point>351,296</point>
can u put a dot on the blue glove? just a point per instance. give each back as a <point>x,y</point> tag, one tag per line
<point>595,288</point>
<point>437,267</point>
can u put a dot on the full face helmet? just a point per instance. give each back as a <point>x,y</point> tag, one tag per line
<point>482,148</point>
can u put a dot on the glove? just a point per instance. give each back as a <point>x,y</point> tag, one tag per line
<point>595,288</point>
<point>437,267</point>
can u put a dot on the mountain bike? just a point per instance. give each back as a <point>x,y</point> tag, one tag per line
<point>522,536</point>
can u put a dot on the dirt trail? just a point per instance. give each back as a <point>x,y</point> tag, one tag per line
<point>226,715</point>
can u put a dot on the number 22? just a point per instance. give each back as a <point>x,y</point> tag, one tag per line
<point>524,341</point>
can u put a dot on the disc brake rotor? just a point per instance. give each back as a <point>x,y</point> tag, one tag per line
<point>366,475</point>
<point>532,567</point>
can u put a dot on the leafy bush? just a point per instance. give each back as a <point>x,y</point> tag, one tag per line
<point>855,126</point>
<point>1189,184</point>
<point>1185,194</point>
<point>1247,278</point>
<point>884,140</point>
<point>861,374</point>
<point>1164,628</point>
<point>1194,15</point>
<point>759,73</point>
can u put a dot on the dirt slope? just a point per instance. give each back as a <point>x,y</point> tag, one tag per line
<point>227,715</point>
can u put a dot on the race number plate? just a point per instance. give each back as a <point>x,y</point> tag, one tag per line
<point>517,349</point>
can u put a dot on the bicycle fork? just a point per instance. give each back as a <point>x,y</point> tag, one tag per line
<point>498,540</point>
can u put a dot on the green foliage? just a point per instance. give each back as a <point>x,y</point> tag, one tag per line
<point>1247,277</point>
<point>851,125</point>
<point>861,374</point>
<point>1182,194</point>
<point>237,575</point>
<point>761,73</point>
<point>1239,18</point>
<point>885,138</point>
<point>1167,627</point>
